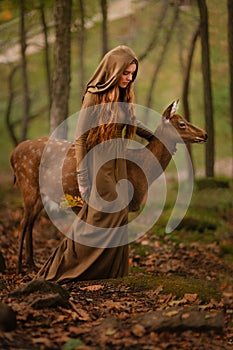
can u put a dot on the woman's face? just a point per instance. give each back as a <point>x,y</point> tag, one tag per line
<point>127,76</point>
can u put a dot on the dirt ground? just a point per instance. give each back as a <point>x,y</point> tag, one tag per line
<point>176,297</point>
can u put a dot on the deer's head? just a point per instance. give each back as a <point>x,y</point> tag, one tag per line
<point>178,129</point>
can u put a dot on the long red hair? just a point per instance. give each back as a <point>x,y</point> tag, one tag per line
<point>107,114</point>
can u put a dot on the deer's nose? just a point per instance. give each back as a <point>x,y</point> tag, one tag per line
<point>206,136</point>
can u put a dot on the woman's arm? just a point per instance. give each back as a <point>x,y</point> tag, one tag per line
<point>83,128</point>
<point>82,132</point>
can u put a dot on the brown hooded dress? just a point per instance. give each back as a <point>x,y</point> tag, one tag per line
<point>97,246</point>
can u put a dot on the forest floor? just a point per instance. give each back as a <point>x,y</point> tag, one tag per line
<point>177,296</point>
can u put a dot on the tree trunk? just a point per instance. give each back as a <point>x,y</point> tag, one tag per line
<point>188,72</point>
<point>230,55</point>
<point>81,41</point>
<point>26,98</point>
<point>161,58</point>
<point>104,11</point>
<point>61,77</point>
<point>186,82</point>
<point>207,91</point>
<point>46,52</point>
<point>9,124</point>
<point>154,40</point>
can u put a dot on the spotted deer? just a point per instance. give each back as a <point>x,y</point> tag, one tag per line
<point>26,161</point>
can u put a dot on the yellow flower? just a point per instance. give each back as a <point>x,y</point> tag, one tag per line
<point>68,201</point>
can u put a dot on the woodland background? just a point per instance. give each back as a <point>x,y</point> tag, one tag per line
<point>184,49</point>
<point>179,293</point>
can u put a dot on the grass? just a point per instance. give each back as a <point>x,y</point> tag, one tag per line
<point>207,220</point>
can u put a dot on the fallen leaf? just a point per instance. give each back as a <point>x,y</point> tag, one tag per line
<point>190,297</point>
<point>138,330</point>
<point>110,331</point>
<point>171,313</point>
<point>80,314</point>
<point>93,288</point>
<point>42,340</point>
<point>185,315</point>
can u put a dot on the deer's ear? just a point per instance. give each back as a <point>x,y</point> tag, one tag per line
<point>171,109</point>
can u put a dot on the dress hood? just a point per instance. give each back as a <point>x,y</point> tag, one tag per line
<point>110,69</point>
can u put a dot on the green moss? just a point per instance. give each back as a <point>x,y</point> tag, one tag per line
<point>176,285</point>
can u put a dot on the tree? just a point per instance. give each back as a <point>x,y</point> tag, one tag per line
<point>81,42</point>
<point>186,81</point>
<point>207,91</point>
<point>167,39</point>
<point>46,51</point>
<point>155,34</point>
<point>230,55</point>
<point>23,46</point>
<point>104,11</point>
<point>61,76</point>
<point>9,124</point>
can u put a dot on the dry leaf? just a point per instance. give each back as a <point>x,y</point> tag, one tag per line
<point>190,297</point>
<point>138,330</point>
<point>42,340</point>
<point>158,290</point>
<point>185,315</point>
<point>171,313</point>
<point>83,315</point>
<point>92,288</point>
<point>80,314</point>
<point>113,304</point>
<point>110,331</point>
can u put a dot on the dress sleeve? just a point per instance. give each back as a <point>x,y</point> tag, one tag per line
<point>83,124</point>
<point>143,131</point>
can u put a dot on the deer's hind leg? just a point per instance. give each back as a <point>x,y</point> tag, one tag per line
<point>31,213</point>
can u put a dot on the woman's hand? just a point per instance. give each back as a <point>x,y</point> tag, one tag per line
<point>83,184</point>
<point>85,192</point>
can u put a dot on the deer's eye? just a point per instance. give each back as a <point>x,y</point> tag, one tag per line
<point>182,125</point>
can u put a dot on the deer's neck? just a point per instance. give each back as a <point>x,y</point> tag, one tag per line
<point>163,149</point>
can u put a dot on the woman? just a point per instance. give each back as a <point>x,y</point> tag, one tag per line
<point>98,244</point>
